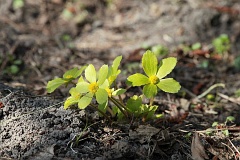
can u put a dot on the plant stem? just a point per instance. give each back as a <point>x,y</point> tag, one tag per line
<point>151,101</point>
<point>119,105</point>
<point>104,114</point>
<point>110,111</point>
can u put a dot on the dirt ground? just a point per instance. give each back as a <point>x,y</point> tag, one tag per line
<point>40,40</point>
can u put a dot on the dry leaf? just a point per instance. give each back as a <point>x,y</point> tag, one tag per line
<point>198,151</point>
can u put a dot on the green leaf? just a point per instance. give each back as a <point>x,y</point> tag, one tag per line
<point>111,79</point>
<point>196,46</point>
<point>113,70</point>
<point>230,119</point>
<point>225,132</point>
<point>149,63</point>
<point>103,107</point>
<point>14,69</point>
<point>54,84</point>
<point>214,124</point>
<point>104,85</point>
<point>150,90</point>
<point>101,96</point>
<point>102,74</point>
<point>134,103</point>
<point>118,92</point>
<point>85,101</point>
<point>169,85</point>
<point>116,64</point>
<point>138,79</point>
<point>70,101</point>
<point>82,87</point>
<point>151,112</point>
<point>167,66</point>
<point>17,62</point>
<point>73,73</point>
<point>18,4</point>
<point>90,73</point>
<point>81,79</point>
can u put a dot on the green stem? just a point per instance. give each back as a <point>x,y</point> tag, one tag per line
<point>104,114</point>
<point>151,101</point>
<point>119,105</point>
<point>110,111</point>
<point>119,96</point>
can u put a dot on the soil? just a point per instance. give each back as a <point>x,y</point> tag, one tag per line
<point>40,41</point>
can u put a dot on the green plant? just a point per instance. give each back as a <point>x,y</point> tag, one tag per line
<point>11,65</point>
<point>221,44</point>
<point>222,127</point>
<point>159,50</point>
<point>17,4</point>
<point>101,86</point>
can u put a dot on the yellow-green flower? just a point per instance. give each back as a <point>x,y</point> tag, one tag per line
<point>94,86</point>
<point>154,75</point>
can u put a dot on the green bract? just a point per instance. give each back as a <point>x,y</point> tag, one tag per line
<point>154,75</point>
<point>113,70</point>
<point>67,78</point>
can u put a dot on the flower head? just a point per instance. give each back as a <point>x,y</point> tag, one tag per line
<point>154,75</point>
<point>94,85</point>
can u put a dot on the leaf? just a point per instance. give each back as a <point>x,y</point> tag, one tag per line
<point>138,79</point>
<point>134,103</point>
<point>150,90</point>
<point>169,85</point>
<point>70,101</point>
<point>81,79</point>
<point>85,101</point>
<point>90,73</point>
<point>152,110</point>
<point>14,69</point>
<point>149,63</point>
<point>104,85</point>
<point>101,96</point>
<point>18,4</point>
<point>102,74</point>
<point>113,70</point>
<point>82,87</point>
<point>103,107</point>
<point>73,73</point>
<point>116,64</point>
<point>196,46</point>
<point>197,149</point>
<point>167,66</point>
<point>54,84</point>
<point>118,92</point>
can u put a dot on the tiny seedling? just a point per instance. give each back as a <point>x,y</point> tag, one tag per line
<point>221,44</point>
<point>11,65</point>
<point>222,127</point>
<point>98,88</point>
<point>159,50</point>
<point>17,4</point>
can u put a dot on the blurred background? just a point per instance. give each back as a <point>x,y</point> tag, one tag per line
<point>41,39</point>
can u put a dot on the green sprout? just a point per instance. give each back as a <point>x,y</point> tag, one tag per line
<point>221,44</point>
<point>159,50</point>
<point>101,86</point>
